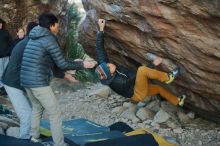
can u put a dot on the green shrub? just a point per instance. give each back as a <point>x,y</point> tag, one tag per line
<point>75,50</point>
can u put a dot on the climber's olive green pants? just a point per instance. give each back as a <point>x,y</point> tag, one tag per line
<point>143,89</point>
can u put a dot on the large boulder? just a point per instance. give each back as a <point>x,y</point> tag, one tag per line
<point>185,33</point>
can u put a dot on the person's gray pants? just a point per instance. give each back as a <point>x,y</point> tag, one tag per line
<point>22,108</point>
<point>3,64</point>
<point>44,98</point>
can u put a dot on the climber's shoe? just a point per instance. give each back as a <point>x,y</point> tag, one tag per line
<point>173,74</point>
<point>181,99</point>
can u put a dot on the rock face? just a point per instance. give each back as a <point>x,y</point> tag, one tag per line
<point>18,13</point>
<point>185,33</point>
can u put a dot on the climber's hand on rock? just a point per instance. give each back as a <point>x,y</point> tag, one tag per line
<point>101,23</point>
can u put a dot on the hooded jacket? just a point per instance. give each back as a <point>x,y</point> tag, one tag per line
<point>40,55</point>
<point>11,76</point>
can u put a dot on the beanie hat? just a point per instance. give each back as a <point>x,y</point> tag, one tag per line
<point>103,71</point>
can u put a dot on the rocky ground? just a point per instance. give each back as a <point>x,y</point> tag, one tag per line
<point>99,104</point>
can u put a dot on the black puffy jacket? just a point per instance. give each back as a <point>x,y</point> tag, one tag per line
<point>5,43</point>
<point>124,79</point>
<point>40,55</point>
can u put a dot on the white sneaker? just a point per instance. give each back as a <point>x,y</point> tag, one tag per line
<point>36,140</point>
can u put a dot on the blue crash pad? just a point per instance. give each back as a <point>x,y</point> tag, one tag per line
<point>75,127</point>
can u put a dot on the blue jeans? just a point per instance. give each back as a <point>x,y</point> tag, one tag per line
<point>22,108</point>
<point>3,64</point>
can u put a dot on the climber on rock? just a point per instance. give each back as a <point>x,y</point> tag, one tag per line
<point>130,84</point>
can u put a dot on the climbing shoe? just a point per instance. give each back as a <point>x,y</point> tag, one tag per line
<point>173,74</point>
<point>35,140</point>
<point>181,100</point>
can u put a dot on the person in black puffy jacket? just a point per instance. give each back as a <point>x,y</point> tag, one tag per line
<point>40,55</point>
<point>5,44</point>
<point>11,80</point>
<point>130,84</point>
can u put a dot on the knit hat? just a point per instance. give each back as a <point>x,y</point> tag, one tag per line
<point>103,71</point>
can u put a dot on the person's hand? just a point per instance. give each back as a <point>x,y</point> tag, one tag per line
<point>88,64</point>
<point>101,23</point>
<point>112,68</point>
<point>91,60</point>
<point>157,61</point>
<point>70,78</point>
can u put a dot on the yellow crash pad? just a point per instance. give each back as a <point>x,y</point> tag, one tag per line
<point>160,140</point>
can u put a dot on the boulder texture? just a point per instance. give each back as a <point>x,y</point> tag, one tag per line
<point>184,32</point>
<point>17,13</point>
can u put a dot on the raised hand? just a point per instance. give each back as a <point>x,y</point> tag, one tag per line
<point>101,23</point>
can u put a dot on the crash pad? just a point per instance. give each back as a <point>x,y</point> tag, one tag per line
<point>120,126</point>
<point>161,141</point>
<point>93,137</point>
<point>74,127</point>
<point>12,141</point>
<point>134,140</point>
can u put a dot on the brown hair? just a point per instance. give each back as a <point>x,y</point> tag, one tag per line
<point>20,29</point>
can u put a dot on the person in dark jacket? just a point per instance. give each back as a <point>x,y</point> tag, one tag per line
<point>20,36</point>
<point>40,55</point>
<point>11,80</point>
<point>5,42</point>
<point>130,84</point>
